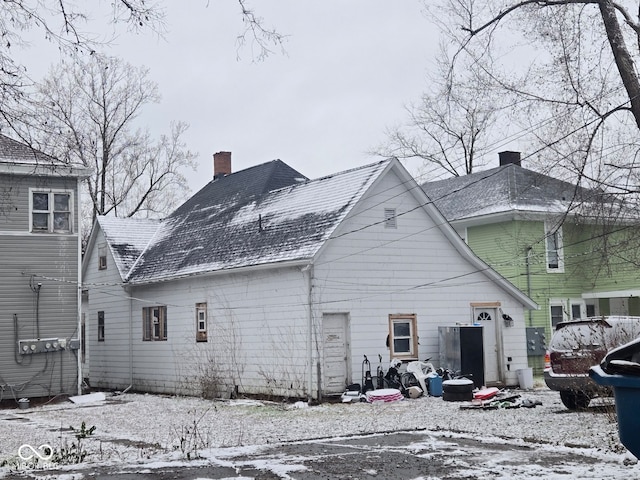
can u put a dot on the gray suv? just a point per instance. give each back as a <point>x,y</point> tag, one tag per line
<point>576,346</point>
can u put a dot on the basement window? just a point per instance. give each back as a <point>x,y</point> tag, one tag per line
<point>390,218</point>
<point>201,322</point>
<point>50,211</point>
<point>154,320</point>
<point>403,336</point>
<point>101,326</point>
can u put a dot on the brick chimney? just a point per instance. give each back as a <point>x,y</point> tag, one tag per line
<point>507,158</point>
<point>221,164</point>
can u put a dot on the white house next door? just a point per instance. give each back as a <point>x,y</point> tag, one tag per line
<point>335,337</point>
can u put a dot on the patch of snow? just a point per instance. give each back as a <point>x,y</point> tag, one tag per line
<point>154,430</point>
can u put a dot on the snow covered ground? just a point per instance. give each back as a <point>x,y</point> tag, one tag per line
<point>139,428</point>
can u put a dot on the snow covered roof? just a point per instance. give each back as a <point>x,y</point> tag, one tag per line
<point>127,238</point>
<point>19,158</point>
<point>504,189</point>
<point>265,214</point>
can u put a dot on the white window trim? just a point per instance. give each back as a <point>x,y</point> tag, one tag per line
<point>580,302</point>
<point>51,212</point>
<point>554,302</point>
<point>550,229</point>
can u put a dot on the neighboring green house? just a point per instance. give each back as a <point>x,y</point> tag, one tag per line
<point>549,238</point>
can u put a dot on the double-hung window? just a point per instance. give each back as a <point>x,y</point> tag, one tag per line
<point>556,310</point>
<point>100,326</point>
<point>403,336</point>
<point>554,249</point>
<point>51,211</point>
<point>154,321</point>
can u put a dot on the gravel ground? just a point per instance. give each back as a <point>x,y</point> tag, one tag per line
<point>135,427</point>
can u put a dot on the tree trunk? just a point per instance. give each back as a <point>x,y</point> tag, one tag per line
<point>622,57</point>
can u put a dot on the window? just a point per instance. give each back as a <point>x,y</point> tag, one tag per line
<point>578,309</point>
<point>390,218</point>
<point>101,326</point>
<point>403,336</point>
<point>557,314</point>
<point>51,212</point>
<point>154,321</point>
<point>102,257</point>
<point>201,322</point>
<point>555,254</point>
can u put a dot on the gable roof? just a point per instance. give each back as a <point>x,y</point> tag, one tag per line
<point>240,221</point>
<point>237,221</point>
<point>504,189</point>
<point>127,238</point>
<point>19,158</point>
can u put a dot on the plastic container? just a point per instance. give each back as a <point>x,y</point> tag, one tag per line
<point>435,386</point>
<point>626,389</point>
<point>525,378</point>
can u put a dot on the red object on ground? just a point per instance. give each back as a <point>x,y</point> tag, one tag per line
<point>486,393</point>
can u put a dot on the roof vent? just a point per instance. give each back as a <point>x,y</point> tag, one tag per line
<point>221,164</point>
<point>507,158</point>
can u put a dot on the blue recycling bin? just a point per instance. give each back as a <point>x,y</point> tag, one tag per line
<point>626,389</point>
<point>435,386</point>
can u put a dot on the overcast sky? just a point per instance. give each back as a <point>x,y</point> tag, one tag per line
<point>349,70</point>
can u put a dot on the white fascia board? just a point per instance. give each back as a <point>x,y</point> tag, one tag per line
<point>612,294</point>
<point>43,169</point>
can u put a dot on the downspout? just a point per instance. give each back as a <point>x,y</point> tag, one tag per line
<point>528,263</point>
<point>308,272</point>
<point>130,341</point>
<point>79,293</point>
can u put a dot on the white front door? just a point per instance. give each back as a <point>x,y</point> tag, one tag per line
<point>488,318</point>
<point>335,337</point>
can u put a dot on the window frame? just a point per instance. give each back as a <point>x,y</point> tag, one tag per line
<point>552,233</point>
<point>51,211</point>
<point>556,304</point>
<point>102,256</point>
<point>101,326</point>
<point>148,330</point>
<point>412,320</point>
<point>201,331</point>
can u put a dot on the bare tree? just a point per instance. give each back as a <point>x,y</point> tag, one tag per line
<point>86,112</point>
<point>64,23</point>
<point>568,70</point>
<point>449,130</point>
<point>568,67</point>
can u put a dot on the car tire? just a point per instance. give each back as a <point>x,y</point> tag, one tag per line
<point>574,400</point>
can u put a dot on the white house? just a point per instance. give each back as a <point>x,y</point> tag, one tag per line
<point>265,282</point>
